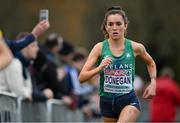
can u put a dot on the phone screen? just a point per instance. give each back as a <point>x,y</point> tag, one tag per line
<point>43,14</point>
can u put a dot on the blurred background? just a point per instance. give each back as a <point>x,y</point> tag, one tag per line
<point>154,23</point>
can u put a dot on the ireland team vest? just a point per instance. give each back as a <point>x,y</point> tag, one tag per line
<point>117,78</point>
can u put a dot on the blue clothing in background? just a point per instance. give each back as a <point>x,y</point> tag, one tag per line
<point>20,44</point>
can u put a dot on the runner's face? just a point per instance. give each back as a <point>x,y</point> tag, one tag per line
<point>115,26</point>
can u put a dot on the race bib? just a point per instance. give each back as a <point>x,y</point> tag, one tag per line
<point>117,80</point>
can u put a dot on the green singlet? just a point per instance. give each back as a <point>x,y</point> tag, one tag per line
<point>117,78</point>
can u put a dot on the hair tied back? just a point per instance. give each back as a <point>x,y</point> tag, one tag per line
<point>114,8</point>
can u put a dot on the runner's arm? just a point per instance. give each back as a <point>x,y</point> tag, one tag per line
<point>139,50</point>
<point>88,69</point>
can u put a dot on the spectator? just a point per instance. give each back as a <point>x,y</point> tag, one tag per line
<point>43,70</point>
<point>41,91</point>
<point>82,91</point>
<point>163,105</point>
<point>53,43</point>
<point>66,52</point>
<point>21,85</point>
<point>45,74</point>
<point>16,77</point>
<point>77,63</point>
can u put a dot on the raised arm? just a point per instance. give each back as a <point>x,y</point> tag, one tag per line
<point>88,71</point>
<point>139,50</point>
<point>38,30</point>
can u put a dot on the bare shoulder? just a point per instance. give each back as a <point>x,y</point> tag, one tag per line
<point>97,48</point>
<point>138,48</point>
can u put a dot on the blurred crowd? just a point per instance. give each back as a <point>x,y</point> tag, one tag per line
<point>50,70</point>
<point>164,107</point>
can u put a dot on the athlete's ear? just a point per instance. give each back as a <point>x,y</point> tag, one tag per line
<point>126,26</point>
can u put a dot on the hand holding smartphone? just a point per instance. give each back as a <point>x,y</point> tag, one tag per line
<point>44,14</point>
<point>43,24</point>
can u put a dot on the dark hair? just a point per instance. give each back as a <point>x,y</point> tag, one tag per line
<point>67,48</point>
<point>110,11</point>
<point>114,8</point>
<point>77,56</point>
<point>53,40</point>
<point>40,60</point>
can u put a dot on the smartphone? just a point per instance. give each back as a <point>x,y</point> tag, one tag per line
<point>43,14</point>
